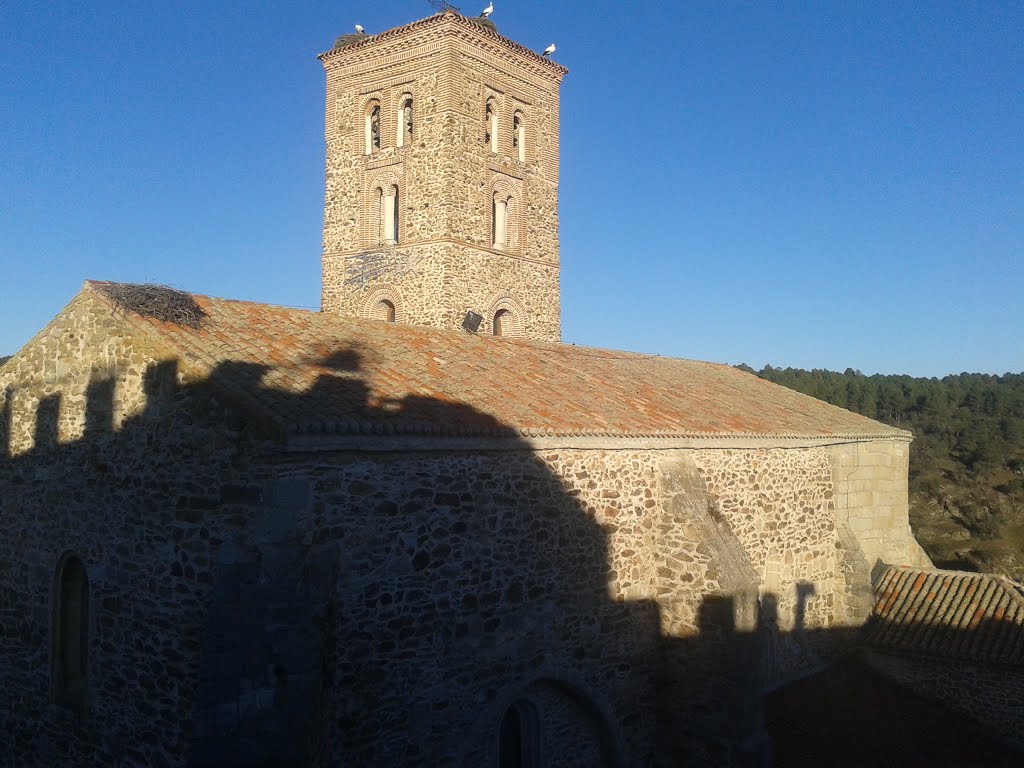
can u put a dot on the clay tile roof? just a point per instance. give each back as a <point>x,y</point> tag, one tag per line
<point>319,372</point>
<point>948,613</point>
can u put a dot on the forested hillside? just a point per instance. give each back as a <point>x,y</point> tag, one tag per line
<point>4,359</point>
<point>966,461</point>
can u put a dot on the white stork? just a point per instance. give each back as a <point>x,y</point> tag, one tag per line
<point>487,11</point>
<point>360,30</point>
<point>549,50</point>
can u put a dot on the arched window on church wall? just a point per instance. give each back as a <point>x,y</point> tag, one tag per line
<point>395,222</point>
<point>553,723</point>
<point>378,213</point>
<point>384,310</point>
<point>503,322</point>
<point>505,316</point>
<point>519,136</point>
<point>404,121</point>
<point>372,128</point>
<point>384,303</point>
<point>387,209</point>
<point>501,204</point>
<point>70,633</point>
<point>491,124</point>
<point>519,736</point>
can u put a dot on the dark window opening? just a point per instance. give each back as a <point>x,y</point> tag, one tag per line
<point>71,634</point>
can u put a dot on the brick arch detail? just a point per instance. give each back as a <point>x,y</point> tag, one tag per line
<point>383,180</point>
<point>370,214</point>
<point>374,100</point>
<point>384,293</point>
<point>529,130</point>
<point>505,185</point>
<point>401,95</point>
<point>512,305</point>
<point>398,98</point>
<point>499,111</point>
<point>509,188</point>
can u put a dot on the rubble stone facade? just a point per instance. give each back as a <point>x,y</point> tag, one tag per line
<point>986,693</point>
<point>442,178</point>
<point>391,607</point>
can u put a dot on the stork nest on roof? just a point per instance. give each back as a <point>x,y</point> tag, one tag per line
<point>161,302</point>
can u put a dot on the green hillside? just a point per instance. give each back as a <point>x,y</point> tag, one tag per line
<point>966,461</point>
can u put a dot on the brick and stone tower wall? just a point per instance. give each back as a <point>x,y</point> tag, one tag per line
<point>442,179</point>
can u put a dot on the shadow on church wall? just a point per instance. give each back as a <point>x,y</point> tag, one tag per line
<point>251,605</point>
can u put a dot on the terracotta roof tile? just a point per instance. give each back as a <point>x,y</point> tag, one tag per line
<point>948,613</point>
<point>321,372</point>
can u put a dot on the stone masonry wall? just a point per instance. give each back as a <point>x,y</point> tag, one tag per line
<point>105,456</point>
<point>779,505</point>
<point>46,385</point>
<point>707,594</point>
<point>434,295</point>
<point>426,589</point>
<point>988,694</point>
<point>464,578</point>
<point>226,594</point>
<point>246,601</point>
<point>870,482</point>
<point>808,518</point>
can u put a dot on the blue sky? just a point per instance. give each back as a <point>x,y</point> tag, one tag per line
<point>818,185</point>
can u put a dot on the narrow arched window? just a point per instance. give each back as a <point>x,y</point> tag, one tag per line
<point>405,124</point>
<point>395,219</point>
<point>519,736</point>
<point>372,129</point>
<point>70,633</point>
<point>499,220</point>
<point>491,124</point>
<point>502,322</point>
<point>384,310</point>
<point>378,200</point>
<point>519,136</point>
<point>388,197</point>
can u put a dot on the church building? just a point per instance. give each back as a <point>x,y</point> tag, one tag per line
<point>413,528</point>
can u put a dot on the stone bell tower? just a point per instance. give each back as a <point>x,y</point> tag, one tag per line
<point>442,179</point>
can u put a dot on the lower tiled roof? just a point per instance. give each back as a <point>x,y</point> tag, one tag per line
<point>318,372</point>
<point>948,613</point>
